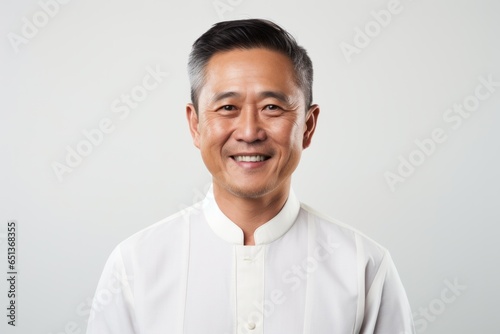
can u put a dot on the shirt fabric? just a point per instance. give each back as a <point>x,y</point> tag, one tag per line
<point>190,273</point>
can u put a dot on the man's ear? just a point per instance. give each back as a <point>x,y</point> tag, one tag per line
<point>193,122</point>
<point>310,125</point>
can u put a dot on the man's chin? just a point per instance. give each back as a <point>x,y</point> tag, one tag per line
<point>248,191</point>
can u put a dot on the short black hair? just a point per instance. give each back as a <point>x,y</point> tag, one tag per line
<point>248,34</point>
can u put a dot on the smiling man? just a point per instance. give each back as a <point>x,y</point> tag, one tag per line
<point>250,258</point>
<point>252,125</point>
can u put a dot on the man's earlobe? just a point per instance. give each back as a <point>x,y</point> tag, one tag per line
<point>193,121</point>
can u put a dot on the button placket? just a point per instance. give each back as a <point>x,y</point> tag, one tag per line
<point>250,288</point>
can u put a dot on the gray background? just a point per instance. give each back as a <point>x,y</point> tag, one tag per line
<point>440,224</point>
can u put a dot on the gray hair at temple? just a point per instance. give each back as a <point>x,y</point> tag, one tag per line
<point>248,34</point>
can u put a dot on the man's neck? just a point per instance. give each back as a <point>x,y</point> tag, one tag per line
<point>250,213</point>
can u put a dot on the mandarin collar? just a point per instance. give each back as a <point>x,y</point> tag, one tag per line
<point>264,234</point>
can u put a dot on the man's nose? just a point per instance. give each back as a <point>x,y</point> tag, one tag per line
<point>249,127</point>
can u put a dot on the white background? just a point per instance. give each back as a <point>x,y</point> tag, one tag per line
<point>440,224</point>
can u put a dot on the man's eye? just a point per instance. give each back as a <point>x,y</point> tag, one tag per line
<point>272,107</point>
<point>228,108</point>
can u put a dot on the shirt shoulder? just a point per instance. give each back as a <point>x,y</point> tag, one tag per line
<point>338,226</point>
<point>350,242</point>
<point>165,235</point>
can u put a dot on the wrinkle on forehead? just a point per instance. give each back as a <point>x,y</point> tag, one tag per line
<point>261,72</point>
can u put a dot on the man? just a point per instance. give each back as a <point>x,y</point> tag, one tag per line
<point>250,258</point>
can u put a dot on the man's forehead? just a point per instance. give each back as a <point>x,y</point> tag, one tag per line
<point>269,73</point>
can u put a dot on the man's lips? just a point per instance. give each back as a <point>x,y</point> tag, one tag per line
<point>245,157</point>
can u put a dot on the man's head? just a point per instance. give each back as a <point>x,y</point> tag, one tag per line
<point>252,119</point>
<point>248,34</point>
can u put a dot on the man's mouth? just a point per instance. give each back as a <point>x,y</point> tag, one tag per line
<point>250,158</point>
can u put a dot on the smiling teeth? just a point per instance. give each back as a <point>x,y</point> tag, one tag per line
<point>249,158</point>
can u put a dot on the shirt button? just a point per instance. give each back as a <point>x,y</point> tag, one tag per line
<point>251,325</point>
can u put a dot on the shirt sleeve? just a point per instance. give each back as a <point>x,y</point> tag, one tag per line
<point>387,310</point>
<point>112,309</point>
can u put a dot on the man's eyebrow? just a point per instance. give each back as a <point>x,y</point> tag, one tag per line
<point>276,95</point>
<point>224,95</point>
<point>265,94</point>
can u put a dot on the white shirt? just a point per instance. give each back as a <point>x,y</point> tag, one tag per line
<point>190,273</point>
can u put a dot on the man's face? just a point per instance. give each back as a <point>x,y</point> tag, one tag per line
<point>251,125</point>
